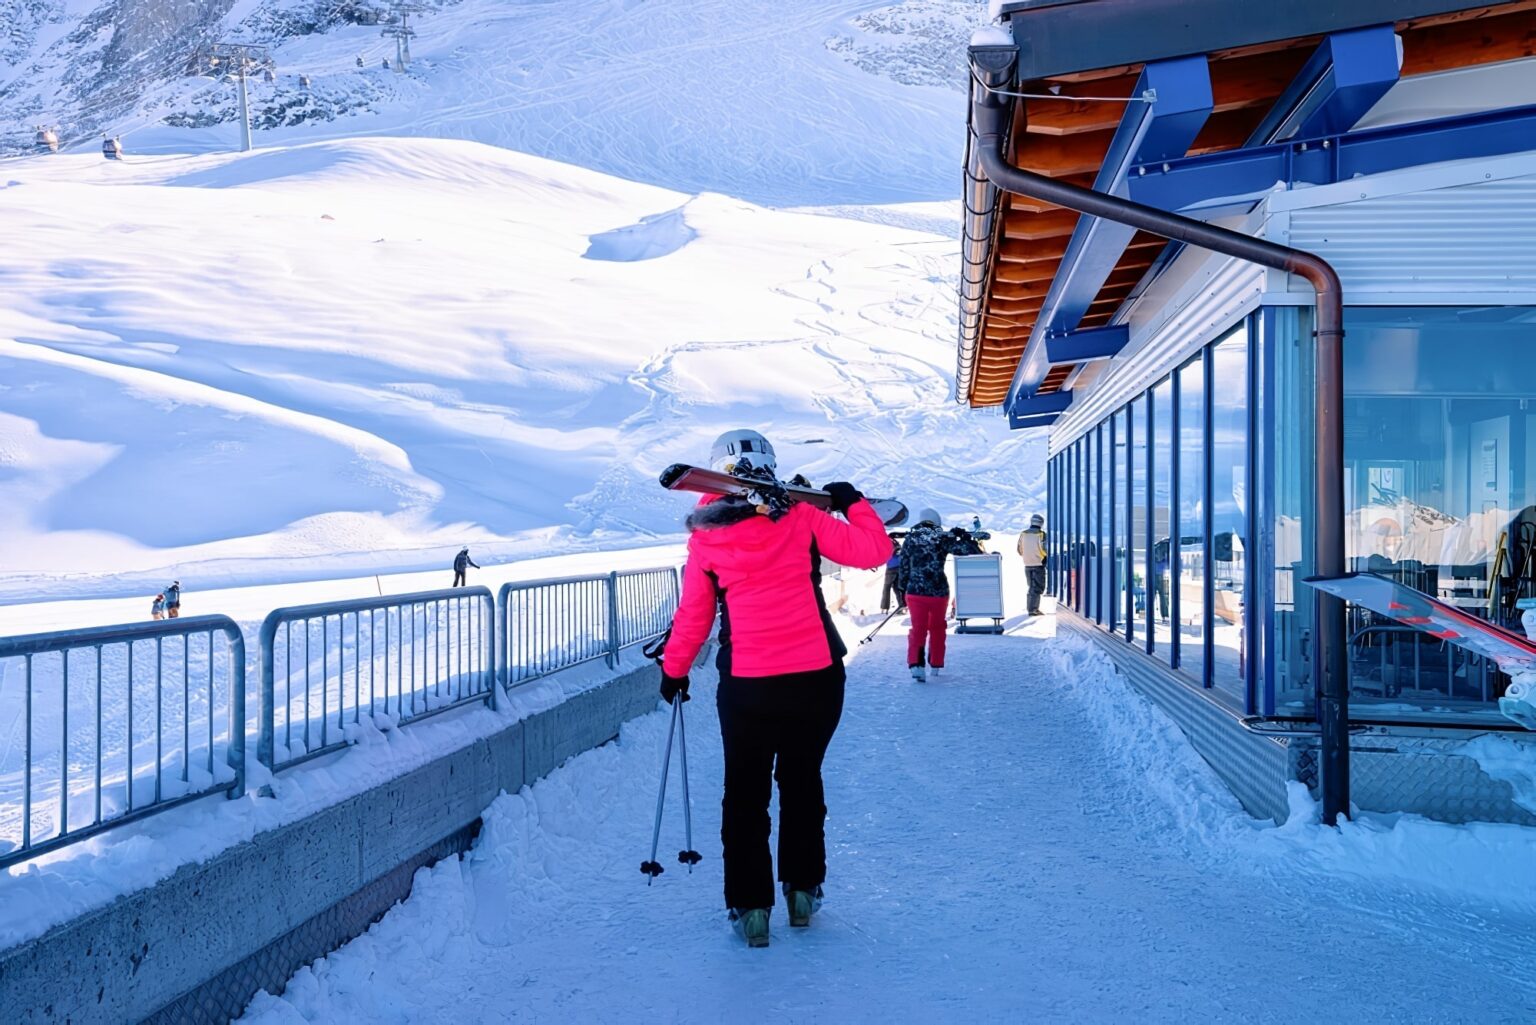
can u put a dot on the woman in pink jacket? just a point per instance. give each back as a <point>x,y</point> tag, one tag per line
<point>781,673</point>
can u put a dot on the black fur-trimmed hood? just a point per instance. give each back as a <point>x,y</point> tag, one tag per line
<point>726,511</point>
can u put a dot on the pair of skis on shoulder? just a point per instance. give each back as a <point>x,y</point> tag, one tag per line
<point>766,490</point>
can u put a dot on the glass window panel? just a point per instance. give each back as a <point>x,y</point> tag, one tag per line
<point>1440,495</point>
<point>1122,538</point>
<point>1229,509</point>
<point>1058,517</point>
<point>1052,492</point>
<point>1080,486</point>
<point>1090,524</point>
<point>1138,512</point>
<point>1188,560</point>
<point>1106,517</point>
<point>1162,520</point>
<point>1294,475</point>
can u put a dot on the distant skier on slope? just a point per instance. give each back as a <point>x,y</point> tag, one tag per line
<point>925,589</point>
<point>781,673</point>
<point>461,564</point>
<point>173,599</point>
<point>157,607</point>
<point>1032,551</point>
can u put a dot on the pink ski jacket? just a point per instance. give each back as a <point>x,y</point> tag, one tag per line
<point>764,577</point>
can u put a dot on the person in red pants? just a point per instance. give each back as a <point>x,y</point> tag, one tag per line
<point>781,672</point>
<point>922,580</point>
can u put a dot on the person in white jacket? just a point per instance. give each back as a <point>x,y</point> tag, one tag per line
<point>1032,551</point>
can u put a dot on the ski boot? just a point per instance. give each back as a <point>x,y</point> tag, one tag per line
<point>919,674</point>
<point>751,924</point>
<point>934,671</point>
<point>802,905</point>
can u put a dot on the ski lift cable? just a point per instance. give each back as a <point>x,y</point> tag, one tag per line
<point>108,104</point>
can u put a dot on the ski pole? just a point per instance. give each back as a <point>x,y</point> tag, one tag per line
<point>689,857</point>
<point>653,867</point>
<point>884,621</point>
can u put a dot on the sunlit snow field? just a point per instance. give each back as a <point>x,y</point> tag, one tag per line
<point>366,353</point>
<point>492,300</point>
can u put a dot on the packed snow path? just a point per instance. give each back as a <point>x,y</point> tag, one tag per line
<point>993,857</point>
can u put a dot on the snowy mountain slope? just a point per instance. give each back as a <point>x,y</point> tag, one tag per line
<point>402,345</point>
<point>787,103</point>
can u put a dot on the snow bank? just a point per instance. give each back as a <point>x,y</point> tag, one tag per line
<point>655,236</point>
<point>1489,862</point>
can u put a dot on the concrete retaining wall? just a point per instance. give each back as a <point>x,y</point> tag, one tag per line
<point>197,946</point>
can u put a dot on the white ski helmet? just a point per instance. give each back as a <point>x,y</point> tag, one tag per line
<point>930,515</point>
<point>742,446</point>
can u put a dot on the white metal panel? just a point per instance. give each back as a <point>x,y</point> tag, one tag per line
<point>1457,91</point>
<point>1472,239</point>
<point>978,586</point>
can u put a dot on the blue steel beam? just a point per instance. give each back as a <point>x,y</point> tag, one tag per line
<point>1344,77</point>
<point>1024,423</point>
<point>1034,405</point>
<point>1238,178</point>
<point>1181,102</point>
<point>1085,346</point>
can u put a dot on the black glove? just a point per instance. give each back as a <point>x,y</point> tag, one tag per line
<point>672,686</point>
<point>843,495</point>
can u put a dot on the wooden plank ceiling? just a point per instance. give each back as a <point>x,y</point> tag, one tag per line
<point>1068,140</point>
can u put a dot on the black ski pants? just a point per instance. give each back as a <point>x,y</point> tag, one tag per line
<point>458,578</point>
<point>885,591</point>
<point>1036,577</point>
<point>776,728</point>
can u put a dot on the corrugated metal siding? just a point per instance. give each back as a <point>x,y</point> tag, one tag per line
<point>1476,239</point>
<point>1253,767</point>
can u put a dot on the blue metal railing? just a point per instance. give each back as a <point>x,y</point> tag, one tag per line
<point>644,602</point>
<point>326,669</point>
<point>550,625</point>
<point>109,724</point>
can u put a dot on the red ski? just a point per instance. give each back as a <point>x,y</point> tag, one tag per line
<point>1507,649</point>
<point>682,477</point>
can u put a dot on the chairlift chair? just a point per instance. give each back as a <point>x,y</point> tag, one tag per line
<point>112,148</point>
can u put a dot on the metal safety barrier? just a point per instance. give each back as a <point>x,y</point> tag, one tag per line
<point>105,725</point>
<point>549,625</point>
<point>644,602</point>
<point>328,669</point>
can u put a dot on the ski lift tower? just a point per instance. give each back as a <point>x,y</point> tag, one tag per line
<point>400,30</point>
<point>232,62</point>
